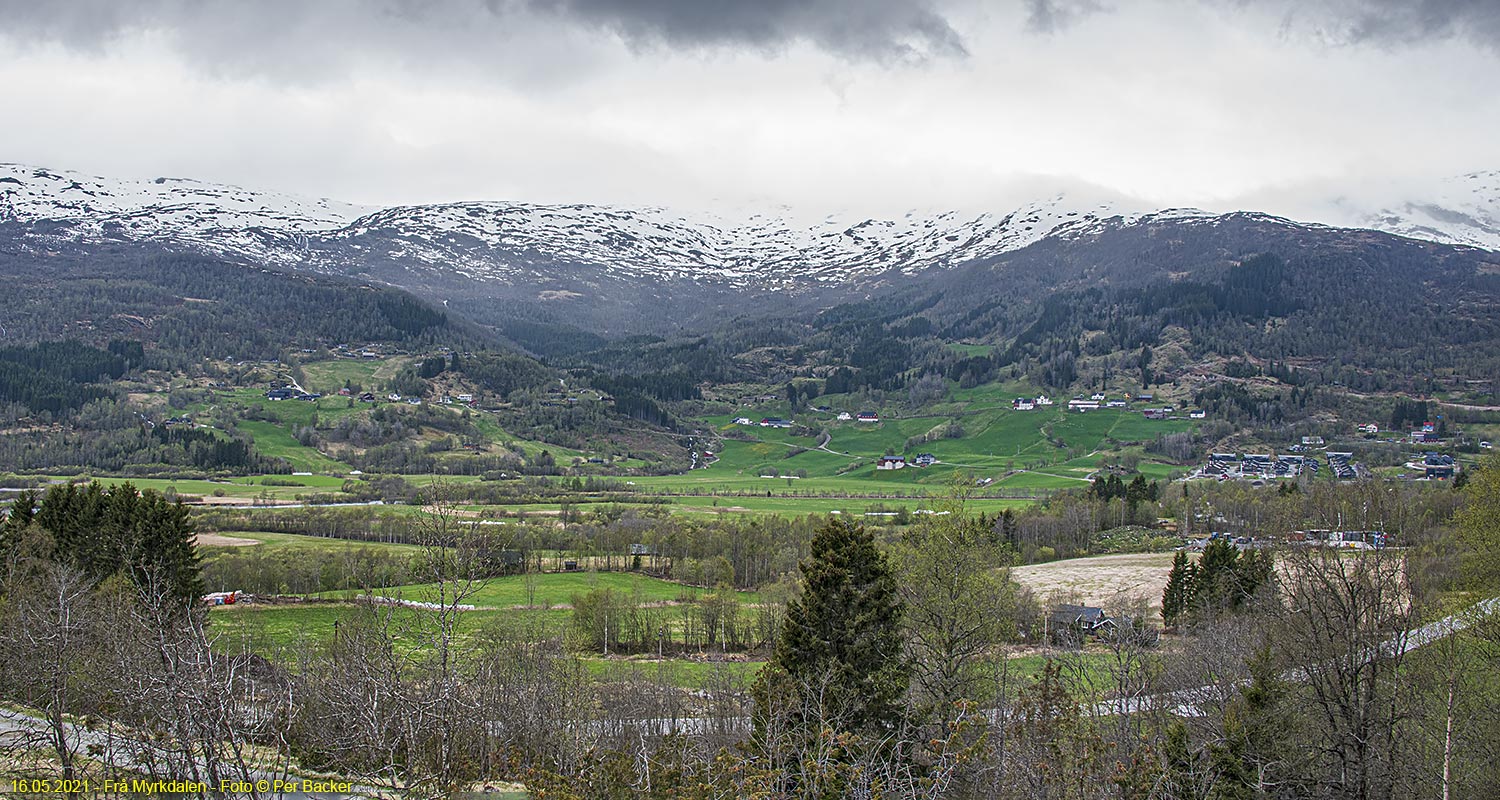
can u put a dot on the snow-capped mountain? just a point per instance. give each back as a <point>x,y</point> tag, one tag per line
<point>502,241</point>
<point>1463,210</point>
<point>207,217</point>
<point>519,243</point>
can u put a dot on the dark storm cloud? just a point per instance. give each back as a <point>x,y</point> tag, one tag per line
<point>1383,22</point>
<point>886,31</point>
<point>880,29</point>
<point>1402,21</point>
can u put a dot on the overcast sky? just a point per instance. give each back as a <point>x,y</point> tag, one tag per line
<point>872,105</point>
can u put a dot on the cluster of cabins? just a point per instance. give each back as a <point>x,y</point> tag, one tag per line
<point>900,462</point>
<point>1099,400</point>
<point>1342,466</point>
<point>1261,466</point>
<point>781,422</point>
<point>1281,466</point>
<point>368,352</point>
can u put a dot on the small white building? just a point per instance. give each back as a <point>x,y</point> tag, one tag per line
<point>845,416</point>
<point>1043,400</point>
<point>890,462</point>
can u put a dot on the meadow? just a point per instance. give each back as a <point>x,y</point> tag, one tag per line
<point>507,610</point>
<point>1010,458</point>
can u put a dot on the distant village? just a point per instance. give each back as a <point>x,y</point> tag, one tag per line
<point>1098,400</point>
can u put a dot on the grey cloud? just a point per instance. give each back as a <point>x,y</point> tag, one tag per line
<point>1053,16</point>
<point>1382,22</point>
<point>1397,21</point>
<point>229,31</point>
<point>885,30</point>
<point>1387,22</point>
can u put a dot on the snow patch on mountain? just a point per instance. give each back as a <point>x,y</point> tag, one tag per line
<point>213,218</point>
<point>492,241</point>
<point>1463,210</point>
<point>511,242</point>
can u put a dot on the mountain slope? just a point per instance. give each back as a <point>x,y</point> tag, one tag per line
<point>1463,211</point>
<point>616,270</point>
<point>505,242</point>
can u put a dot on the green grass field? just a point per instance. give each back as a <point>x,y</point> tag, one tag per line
<point>1050,448</point>
<point>327,377</point>
<point>763,471</point>
<point>251,486</point>
<point>279,632</point>
<point>553,589</point>
<point>275,441</point>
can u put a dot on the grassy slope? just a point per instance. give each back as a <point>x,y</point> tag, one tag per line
<point>996,442</point>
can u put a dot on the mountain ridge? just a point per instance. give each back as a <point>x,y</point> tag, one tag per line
<point>523,243</point>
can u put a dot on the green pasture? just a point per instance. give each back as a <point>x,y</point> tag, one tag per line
<point>997,442</point>
<point>279,631</point>
<point>249,486</point>
<point>275,441</point>
<point>328,377</point>
<point>551,589</point>
<point>971,349</point>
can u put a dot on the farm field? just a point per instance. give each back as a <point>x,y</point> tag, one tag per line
<point>327,377</point>
<point>1045,449</point>
<point>761,471</point>
<point>502,604</point>
<point>296,543</point>
<point>275,630</point>
<point>556,590</point>
<point>1107,581</point>
<point>284,488</point>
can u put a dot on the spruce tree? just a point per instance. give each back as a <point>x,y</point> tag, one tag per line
<point>143,535</point>
<point>1178,595</point>
<point>840,653</point>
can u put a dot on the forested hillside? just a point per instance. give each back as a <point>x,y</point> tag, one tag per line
<point>1133,308</point>
<point>191,307</point>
